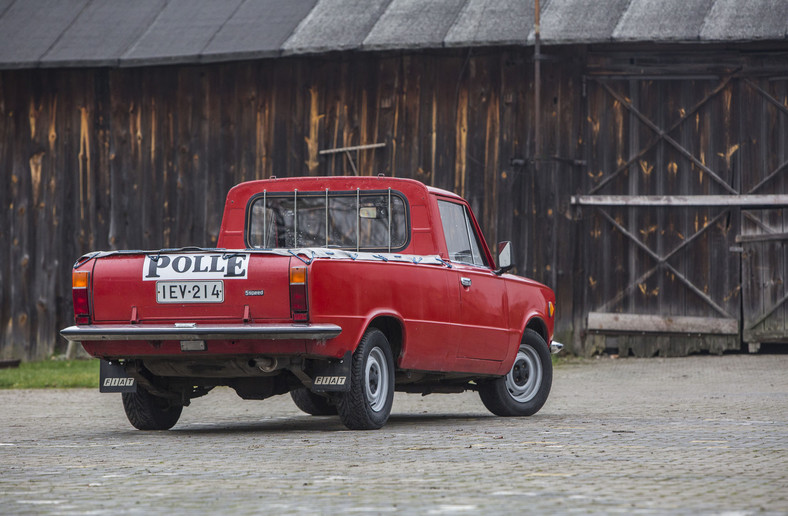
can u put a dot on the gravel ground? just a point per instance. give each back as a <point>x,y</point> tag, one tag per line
<point>701,434</point>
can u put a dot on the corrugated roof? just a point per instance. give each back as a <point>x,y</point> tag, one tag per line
<point>493,22</point>
<point>335,25</point>
<point>29,29</point>
<point>181,31</point>
<point>101,33</point>
<point>746,20</point>
<point>581,21</point>
<point>666,20</point>
<point>258,28</point>
<point>408,24</point>
<point>144,32</point>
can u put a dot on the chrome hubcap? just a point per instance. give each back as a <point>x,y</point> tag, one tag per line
<point>525,377</point>
<point>376,379</point>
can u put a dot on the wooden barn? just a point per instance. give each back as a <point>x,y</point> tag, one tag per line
<point>635,151</point>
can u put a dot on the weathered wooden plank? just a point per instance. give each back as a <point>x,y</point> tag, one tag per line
<point>770,237</point>
<point>119,157</point>
<point>507,149</point>
<point>473,178</point>
<point>282,91</point>
<point>6,209</point>
<point>407,129</point>
<point>780,93</point>
<point>388,112</point>
<point>446,99</point>
<point>22,130</point>
<point>491,169</point>
<point>741,201</point>
<point>633,323</point>
<point>427,122</point>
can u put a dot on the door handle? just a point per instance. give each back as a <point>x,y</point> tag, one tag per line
<point>466,282</point>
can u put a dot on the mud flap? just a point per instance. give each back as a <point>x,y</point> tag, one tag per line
<point>332,375</point>
<point>114,378</point>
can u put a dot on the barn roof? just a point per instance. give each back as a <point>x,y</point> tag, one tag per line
<point>62,33</point>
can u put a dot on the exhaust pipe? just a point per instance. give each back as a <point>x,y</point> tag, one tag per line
<point>266,364</point>
<point>556,347</point>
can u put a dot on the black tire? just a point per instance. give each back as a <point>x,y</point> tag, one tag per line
<point>313,404</point>
<point>148,412</point>
<point>367,405</point>
<point>524,390</point>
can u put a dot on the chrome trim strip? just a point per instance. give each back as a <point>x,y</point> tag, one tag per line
<point>201,332</point>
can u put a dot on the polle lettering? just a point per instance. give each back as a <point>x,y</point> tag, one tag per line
<point>198,266</point>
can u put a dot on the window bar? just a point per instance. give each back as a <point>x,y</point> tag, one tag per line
<point>358,219</point>
<point>326,217</point>
<point>470,234</point>
<point>295,217</point>
<point>265,222</point>
<point>389,219</point>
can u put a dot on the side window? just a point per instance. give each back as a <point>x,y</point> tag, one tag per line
<point>461,239</point>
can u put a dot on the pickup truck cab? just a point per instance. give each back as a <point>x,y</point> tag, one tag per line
<point>337,290</point>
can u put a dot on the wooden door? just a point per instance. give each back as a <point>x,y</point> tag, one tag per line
<point>764,232</point>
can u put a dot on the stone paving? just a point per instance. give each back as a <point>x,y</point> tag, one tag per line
<point>702,434</point>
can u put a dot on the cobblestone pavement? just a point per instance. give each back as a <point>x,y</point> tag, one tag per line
<point>682,436</point>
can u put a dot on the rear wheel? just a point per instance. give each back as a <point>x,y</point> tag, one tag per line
<point>148,412</point>
<point>524,389</point>
<point>312,403</point>
<point>367,405</point>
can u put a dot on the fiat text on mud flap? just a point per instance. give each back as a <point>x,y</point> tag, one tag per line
<point>337,290</point>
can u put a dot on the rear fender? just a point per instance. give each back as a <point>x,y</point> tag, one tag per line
<point>391,324</point>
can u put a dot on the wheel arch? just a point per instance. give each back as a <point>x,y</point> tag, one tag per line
<point>538,325</point>
<point>393,329</point>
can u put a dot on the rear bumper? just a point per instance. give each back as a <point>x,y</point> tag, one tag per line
<point>119,332</point>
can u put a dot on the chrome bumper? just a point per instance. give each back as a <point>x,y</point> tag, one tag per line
<point>201,332</point>
<point>556,347</point>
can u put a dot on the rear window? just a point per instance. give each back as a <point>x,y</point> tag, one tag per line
<point>361,221</point>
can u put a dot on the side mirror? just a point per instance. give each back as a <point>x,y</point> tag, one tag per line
<point>504,257</point>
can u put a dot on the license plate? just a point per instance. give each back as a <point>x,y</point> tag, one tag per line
<point>190,291</point>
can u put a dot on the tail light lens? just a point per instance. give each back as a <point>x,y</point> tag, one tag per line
<point>298,301</point>
<point>80,280</point>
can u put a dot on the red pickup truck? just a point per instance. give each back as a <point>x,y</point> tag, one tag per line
<point>337,290</point>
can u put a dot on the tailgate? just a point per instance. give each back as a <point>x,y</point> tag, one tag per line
<point>202,287</point>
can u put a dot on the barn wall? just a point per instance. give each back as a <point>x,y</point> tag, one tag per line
<point>142,158</point>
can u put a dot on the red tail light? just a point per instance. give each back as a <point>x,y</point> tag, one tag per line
<point>80,280</point>
<point>299,306</point>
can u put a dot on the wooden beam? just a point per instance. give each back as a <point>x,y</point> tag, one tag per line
<point>633,323</point>
<point>742,201</point>
<point>769,237</point>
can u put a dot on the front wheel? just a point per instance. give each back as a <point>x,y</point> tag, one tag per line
<point>524,389</point>
<point>367,405</point>
<point>148,412</point>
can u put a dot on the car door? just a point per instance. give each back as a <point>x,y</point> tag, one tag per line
<point>483,314</point>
